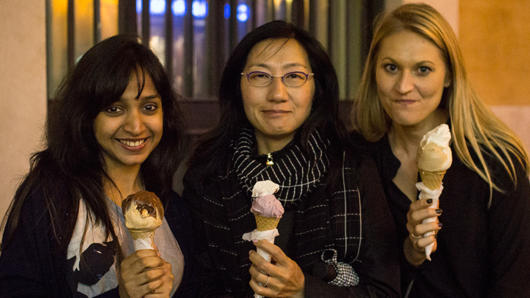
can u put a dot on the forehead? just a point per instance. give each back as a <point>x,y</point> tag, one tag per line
<point>140,84</point>
<point>277,51</point>
<point>406,45</point>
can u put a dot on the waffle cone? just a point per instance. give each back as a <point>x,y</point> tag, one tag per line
<point>141,234</point>
<point>432,180</point>
<point>266,223</point>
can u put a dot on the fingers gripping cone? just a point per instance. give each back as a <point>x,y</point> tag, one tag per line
<point>434,158</point>
<point>143,214</point>
<point>434,194</point>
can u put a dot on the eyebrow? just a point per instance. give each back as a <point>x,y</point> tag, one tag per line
<point>264,65</point>
<point>149,97</point>
<point>415,63</point>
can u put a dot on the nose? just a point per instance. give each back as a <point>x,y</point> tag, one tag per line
<point>134,123</point>
<point>277,90</point>
<point>405,83</point>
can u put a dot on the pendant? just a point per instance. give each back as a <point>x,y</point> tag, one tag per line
<point>269,161</point>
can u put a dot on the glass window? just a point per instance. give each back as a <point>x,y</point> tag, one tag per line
<point>108,18</point>
<point>84,27</point>
<point>193,38</point>
<point>56,44</point>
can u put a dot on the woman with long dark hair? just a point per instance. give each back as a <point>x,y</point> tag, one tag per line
<point>114,129</point>
<point>279,121</point>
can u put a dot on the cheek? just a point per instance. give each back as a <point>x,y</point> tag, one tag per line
<point>99,128</point>
<point>157,125</point>
<point>308,99</point>
<point>432,89</point>
<point>383,83</point>
<point>250,99</point>
<point>308,104</point>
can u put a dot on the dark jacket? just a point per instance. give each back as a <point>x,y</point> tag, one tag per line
<point>482,252</point>
<point>35,265</point>
<point>221,213</point>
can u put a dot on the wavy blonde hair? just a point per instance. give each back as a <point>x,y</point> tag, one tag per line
<point>476,131</point>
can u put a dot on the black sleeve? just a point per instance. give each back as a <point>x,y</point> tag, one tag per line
<point>379,269</point>
<point>31,265</point>
<point>178,217</point>
<point>209,279</point>
<point>509,239</point>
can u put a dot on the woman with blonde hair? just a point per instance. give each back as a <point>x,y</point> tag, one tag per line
<point>414,80</point>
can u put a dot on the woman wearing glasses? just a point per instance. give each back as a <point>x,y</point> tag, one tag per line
<point>279,121</point>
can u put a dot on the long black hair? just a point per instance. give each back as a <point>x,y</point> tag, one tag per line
<point>71,165</point>
<point>324,113</point>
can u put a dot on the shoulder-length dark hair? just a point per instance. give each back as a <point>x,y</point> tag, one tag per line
<point>324,112</point>
<point>72,157</point>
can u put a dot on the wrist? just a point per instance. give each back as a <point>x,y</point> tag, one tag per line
<point>412,255</point>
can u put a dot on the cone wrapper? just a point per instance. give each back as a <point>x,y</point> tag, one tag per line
<point>143,240</point>
<point>256,235</point>
<point>428,193</point>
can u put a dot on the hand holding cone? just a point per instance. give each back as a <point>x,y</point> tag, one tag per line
<point>267,212</point>
<point>434,158</point>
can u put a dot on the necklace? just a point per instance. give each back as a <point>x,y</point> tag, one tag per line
<point>269,161</point>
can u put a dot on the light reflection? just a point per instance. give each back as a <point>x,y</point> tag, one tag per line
<point>199,9</point>
<point>227,11</point>
<point>179,8</point>
<point>157,6</point>
<point>242,12</point>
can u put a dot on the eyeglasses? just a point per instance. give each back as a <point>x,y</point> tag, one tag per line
<point>290,79</point>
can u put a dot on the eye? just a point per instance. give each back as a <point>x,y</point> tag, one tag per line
<point>113,110</point>
<point>259,75</point>
<point>151,107</point>
<point>259,78</point>
<point>424,70</point>
<point>391,68</point>
<point>294,76</point>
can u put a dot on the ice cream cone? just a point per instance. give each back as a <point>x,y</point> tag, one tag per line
<point>143,213</point>
<point>266,223</point>
<point>432,180</point>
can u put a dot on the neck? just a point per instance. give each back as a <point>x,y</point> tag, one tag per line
<point>406,139</point>
<point>267,145</point>
<point>125,181</point>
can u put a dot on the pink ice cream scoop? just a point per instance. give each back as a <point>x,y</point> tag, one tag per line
<point>267,206</point>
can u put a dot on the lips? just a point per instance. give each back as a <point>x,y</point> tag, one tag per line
<point>275,112</point>
<point>133,144</point>
<point>405,101</point>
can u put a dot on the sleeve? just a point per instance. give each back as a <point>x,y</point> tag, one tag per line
<point>379,267</point>
<point>178,216</point>
<point>27,266</point>
<point>509,239</point>
<point>209,280</point>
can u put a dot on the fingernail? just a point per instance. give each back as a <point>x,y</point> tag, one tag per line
<point>429,201</point>
<point>440,225</point>
<point>439,211</point>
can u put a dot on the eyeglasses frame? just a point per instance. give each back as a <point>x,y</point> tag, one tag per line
<point>307,77</point>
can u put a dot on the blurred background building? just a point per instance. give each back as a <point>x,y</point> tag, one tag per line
<point>42,39</point>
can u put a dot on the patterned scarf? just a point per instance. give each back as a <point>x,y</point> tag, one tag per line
<point>297,172</point>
